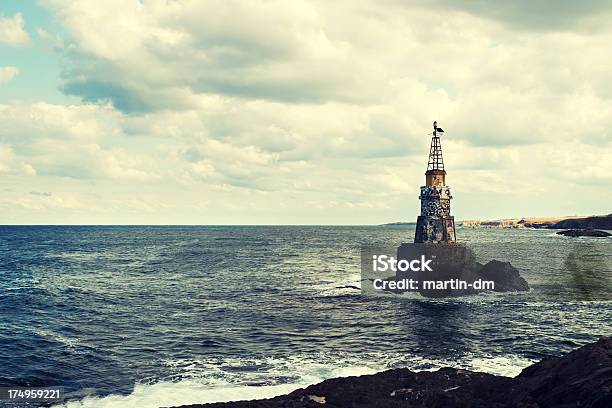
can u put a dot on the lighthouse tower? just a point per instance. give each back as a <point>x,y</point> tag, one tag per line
<point>435,224</point>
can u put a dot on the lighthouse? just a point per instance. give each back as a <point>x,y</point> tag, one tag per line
<point>435,224</point>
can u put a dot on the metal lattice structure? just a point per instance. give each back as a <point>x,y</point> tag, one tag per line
<point>435,152</point>
<point>435,155</point>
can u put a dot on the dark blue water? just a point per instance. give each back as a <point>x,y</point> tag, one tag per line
<point>153,316</point>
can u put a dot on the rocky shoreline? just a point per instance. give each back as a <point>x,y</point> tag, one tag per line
<point>581,378</point>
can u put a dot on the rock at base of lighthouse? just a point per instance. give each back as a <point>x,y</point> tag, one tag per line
<point>505,276</point>
<point>457,262</point>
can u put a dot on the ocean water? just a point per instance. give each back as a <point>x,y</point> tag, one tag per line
<point>150,316</point>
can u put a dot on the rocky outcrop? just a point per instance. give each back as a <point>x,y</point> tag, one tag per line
<point>584,233</point>
<point>458,262</point>
<point>505,276</point>
<point>582,378</point>
<point>595,222</point>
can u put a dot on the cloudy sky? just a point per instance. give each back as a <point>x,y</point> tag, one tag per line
<point>301,112</point>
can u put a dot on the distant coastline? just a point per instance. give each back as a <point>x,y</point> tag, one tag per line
<point>589,222</point>
<point>399,224</point>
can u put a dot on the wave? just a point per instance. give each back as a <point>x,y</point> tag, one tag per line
<point>199,391</point>
<point>168,394</point>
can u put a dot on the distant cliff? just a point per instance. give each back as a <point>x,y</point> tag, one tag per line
<point>592,222</point>
<point>596,222</point>
<point>505,223</point>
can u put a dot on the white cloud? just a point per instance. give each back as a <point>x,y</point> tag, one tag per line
<point>357,56</point>
<point>310,110</point>
<point>46,202</point>
<point>12,32</point>
<point>8,73</point>
<point>70,141</point>
<point>10,164</point>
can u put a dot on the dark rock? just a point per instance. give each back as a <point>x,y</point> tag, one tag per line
<point>458,262</point>
<point>595,222</point>
<point>584,233</point>
<point>505,276</point>
<point>582,378</point>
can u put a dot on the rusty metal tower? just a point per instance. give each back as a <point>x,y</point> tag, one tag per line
<point>435,224</point>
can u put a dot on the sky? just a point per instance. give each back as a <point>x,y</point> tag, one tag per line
<point>301,111</point>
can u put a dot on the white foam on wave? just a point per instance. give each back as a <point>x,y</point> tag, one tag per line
<point>168,394</point>
<point>204,389</point>
<point>509,366</point>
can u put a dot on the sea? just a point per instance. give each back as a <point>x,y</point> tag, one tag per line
<point>159,316</point>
